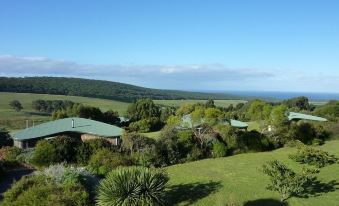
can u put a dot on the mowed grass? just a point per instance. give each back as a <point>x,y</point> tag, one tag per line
<point>238,179</point>
<point>17,120</point>
<point>177,103</point>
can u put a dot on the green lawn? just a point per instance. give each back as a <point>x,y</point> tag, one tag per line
<point>176,103</point>
<point>17,120</point>
<point>153,135</point>
<point>237,179</point>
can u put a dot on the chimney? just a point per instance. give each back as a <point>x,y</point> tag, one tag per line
<point>72,123</point>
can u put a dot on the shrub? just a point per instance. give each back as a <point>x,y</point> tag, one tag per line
<point>132,186</point>
<point>44,154</point>
<point>134,142</point>
<point>312,156</point>
<point>145,125</point>
<point>284,180</point>
<point>89,147</point>
<point>104,161</point>
<point>5,139</point>
<point>9,156</point>
<point>219,149</point>
<point>57,150</point>
<point>39,190</point>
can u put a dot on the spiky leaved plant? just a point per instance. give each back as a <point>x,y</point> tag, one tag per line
<point>132,186</point>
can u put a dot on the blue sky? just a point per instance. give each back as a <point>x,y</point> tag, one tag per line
<point>286,45</point>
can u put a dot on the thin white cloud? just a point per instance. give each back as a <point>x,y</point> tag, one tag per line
<point>185,77</point>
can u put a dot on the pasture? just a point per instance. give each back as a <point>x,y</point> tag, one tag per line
<point>238,180</point>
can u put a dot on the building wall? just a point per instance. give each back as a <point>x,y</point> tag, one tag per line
<point>113,140</point>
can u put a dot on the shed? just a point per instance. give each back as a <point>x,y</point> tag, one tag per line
<point>294,116</point>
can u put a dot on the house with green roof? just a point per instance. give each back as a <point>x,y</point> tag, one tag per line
<point>186,122</point>
<point>77,127</point>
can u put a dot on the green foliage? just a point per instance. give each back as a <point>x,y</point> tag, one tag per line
<point>306,132</point>
<point>95,88</point>
<point>56,150</point>
<point>9,156</point>
<point>330,110</point>
<point>16,105</point>
<point>143,109</point>
<point>210,103</point>
<point>170,149</point>
<point>104,161</point>
<point>41,190</point>
<point>145,125</point>
<point>89,147</point>
<point>50,106</point>
<point>312,156</point>
<point>213,116</point>
<point>284,180</point>
<point>219,149</point>
<point>258,110</point>
<point>134,142</point>
<point>132,187</point>
<point>298,103</point>
<point>278,117</point>
<point>5,138</point>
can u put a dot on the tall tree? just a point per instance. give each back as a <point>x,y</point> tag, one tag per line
<point>16,105</point>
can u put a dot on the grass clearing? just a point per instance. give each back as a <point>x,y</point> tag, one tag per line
<point>237,179</point>
<point>153,135</point>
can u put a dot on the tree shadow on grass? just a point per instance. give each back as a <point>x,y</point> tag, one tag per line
<point>187,194</point>
<point>265,202</point>
<point>315,188</point>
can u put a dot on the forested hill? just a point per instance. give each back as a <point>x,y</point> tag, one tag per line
<point>96,88</point>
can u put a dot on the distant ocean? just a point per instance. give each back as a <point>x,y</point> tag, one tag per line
<point>313,96</point>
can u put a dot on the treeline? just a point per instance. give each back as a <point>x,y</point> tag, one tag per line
<point>50,106</point>
<point>87,112</point>
<point>96,89</point>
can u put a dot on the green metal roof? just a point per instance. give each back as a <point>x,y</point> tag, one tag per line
<point>300,116</point>
<point>81,125</point>
<point>187,122</point>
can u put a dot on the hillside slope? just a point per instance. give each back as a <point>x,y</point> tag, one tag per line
<point>238,179</point>
<point>96,88</point>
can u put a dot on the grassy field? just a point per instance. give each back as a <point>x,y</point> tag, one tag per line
<point>176,103</point>
<point>237,180</point>
<point>16,120</point>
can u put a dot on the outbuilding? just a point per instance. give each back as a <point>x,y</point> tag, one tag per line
<point>78,127</point>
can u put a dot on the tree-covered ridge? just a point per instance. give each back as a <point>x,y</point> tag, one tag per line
<point>96,88</point>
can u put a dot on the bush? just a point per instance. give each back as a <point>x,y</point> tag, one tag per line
<point>104,161</point>
<point>219,149</point>
<point>40,190</point>
<point>284,180</point>
<point>44,154</point>
<point>9,156</point>
<point>145,125</point>
<point>134,142</point>
<point>132,186</point>
<point>307,132</point>
<point>311,156</point>
<point>89,147</point>
<point>57,150</point>
<point>5,138</point>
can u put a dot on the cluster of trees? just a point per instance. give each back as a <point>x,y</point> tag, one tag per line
<point>146,116</point>
<point>96,88</point>
<point>50,106</point>
<point>88,112</point>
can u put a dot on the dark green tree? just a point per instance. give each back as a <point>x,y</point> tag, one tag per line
<point>16,105</point>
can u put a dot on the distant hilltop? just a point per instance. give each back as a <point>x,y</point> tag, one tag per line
<point>97,89</point>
